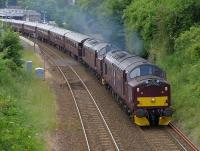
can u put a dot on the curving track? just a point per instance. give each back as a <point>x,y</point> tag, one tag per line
<point>96,131</point>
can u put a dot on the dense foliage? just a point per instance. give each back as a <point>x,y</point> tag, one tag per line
<point>161,22</point>
<point>10,48</point>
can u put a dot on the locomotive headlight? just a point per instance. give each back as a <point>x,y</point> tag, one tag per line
<point>138,89</point>
<point>166,88</point>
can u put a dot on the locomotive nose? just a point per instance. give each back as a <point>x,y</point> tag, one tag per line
<point>153,93</point>
<point>152,103</point>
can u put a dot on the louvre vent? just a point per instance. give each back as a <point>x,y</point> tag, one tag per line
<point>119,55</point>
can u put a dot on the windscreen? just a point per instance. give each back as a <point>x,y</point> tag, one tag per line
<point>146,70</point>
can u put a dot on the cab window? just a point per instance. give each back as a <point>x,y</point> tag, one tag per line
<point>147,70</point>
<point>135,73</point>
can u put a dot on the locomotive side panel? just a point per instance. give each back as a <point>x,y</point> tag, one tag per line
<point>93,60</point>
<point>106,71</point>
<point>118,82</point>
<point>99,66</point>
<point>86,55</point>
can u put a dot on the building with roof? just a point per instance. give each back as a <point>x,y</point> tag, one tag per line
<point>20,14</point>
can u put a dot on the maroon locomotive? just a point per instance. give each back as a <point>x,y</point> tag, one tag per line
<point>140,86</point>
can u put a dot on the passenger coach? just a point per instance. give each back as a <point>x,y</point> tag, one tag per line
<point>57,37</point>
<point>30,29</point>
<point>74,43</point>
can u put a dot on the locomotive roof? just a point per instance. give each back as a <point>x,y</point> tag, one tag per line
<point>95,45</point>
<point>78,37</point>
<point>59,31</point>
<point>125,61</point>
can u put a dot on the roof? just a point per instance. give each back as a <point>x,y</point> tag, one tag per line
<point>60,31</point>
<point>13,21</point>
<point>18,12</point>
<point>125,61</point>
<point>77,36</point>
<point>12,12</point>
<point>95,44</point>
<point>44,26</point>
<point>33,24</point>
<point>101,46</point>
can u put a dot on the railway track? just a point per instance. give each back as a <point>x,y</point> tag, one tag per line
<point>160,139</point>
<point>163,138</point>
<point>184,137</point>
<point>97,134</point>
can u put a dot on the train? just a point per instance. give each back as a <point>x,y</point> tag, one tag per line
<point>139,86</point>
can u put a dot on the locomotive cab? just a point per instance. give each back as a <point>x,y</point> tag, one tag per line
<point>150,93</point>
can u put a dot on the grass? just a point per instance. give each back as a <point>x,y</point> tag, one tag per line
<point>27,109</point>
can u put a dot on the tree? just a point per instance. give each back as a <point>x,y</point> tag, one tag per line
<point>11,47</point>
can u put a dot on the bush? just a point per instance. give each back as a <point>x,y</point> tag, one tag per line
<point>11,47</point>
<point>188,45</point>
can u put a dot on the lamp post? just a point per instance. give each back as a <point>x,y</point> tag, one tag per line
<point>27,13</point>
<point>44,17</point>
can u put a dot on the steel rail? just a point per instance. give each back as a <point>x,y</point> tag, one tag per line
<point>72,93</point>
<point>182,135</point>
<point>102,117</point>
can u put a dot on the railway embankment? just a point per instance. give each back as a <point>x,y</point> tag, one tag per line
<point>27,107</point>
<point>182,68</point>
